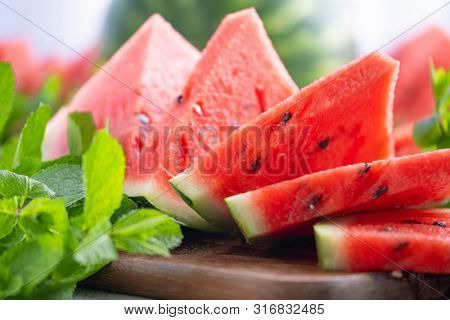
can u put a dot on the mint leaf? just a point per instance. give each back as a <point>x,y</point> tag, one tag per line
<point>104,170</point>
<point>428,132</point>
<point>146,231</point>
<point>97,248</point>
<point>434,132</point>
<point>65,179</point>
<point>7,87</point>
<point>43,216</point>
<point>51,90</point>
<point>126,206</point>
<point>8,216</point>
<point>27,158</point>
<point>80,131</point>
<point>68,159</point>
<point>25,265</point>
<point>7,153</point>
<point>13,184</point>
<point>15,237</point>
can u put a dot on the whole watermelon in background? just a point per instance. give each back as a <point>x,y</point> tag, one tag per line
<point>288,208</point>
<point>415,240</point>
<point>414,95</point>
<point>309,44</point>
<point>137,92</point>
<point>343,118</point>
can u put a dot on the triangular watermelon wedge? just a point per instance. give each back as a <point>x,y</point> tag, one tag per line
<point>238,77</point>
<point>413,240</point>
<point>343,118</point>
<point>137,92</point>
<point>289,208</point>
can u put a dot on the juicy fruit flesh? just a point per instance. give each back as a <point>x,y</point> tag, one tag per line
<point>301,135</point>
<point>415,240</point>
<point>404,141</point>
<point>418,180</point>
<point>238,77</point>
<point>136,93</point>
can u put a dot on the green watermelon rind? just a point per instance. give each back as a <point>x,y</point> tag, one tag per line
<point>243,213</point>
<point>201,202</point>
<point>328,243</point>
<point>164,201</point>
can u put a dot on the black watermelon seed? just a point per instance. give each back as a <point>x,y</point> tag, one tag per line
<point>412,221</point>
<point>387,229</point>
<point>255,165</point>
<point>286,117</point>
<point>401,246</point>
<point>314,200</point>
<point>441,224</point>
<point>324,143</point>
<point>380,191</point>
<point>365,169</point>
<point>179,99</point>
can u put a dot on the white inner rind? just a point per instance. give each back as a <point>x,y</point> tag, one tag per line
<point>166,201</point>
<point>329,239</point>
<point>203,202</point>
<point>246,216</point>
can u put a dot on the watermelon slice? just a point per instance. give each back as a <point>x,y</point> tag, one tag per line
<point>289,208</point>
<point>414,94</point>
<point>137,94</point>
<point>238,77</point>
<point>341,119</point>
<point>413,240</point>
<point>404,141</point>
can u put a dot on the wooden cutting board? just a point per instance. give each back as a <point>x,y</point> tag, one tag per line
<point>218,267</point>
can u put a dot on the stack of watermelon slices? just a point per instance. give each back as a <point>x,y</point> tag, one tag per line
<point>246,151</point>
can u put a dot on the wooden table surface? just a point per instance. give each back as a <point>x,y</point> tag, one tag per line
<point>219,267</point>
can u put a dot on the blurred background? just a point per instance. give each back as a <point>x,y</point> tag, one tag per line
<point>312,36</point>
<point>48,41</point>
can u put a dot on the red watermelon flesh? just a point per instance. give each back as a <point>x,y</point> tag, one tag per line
<point>137,94</point>
<point>289,208</point>
<point>404,141</point>
<point>414,94</point>
<point>238,77</point>
<point>413,240</point>
<point>341,119</point>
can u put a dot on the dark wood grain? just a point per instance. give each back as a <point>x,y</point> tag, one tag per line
<point>218,267</point>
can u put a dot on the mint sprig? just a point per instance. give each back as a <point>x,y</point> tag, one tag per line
<point>434,132</point>
<point>63,220</point>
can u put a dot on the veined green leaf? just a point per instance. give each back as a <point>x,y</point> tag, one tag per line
<point>96,248</point>
<point>104,170</point>
<point>43,216</point>
<point>8,216</point>
<point>146,231</point>
<point>13,184</point>
<point>27,158</point>
<point>7,153</point>
<point>24,266</point>
<point>126,206</point>
<point>65,179</point>
<point>80,131</point>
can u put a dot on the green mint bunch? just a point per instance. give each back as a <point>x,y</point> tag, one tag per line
<point>63,220</point>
